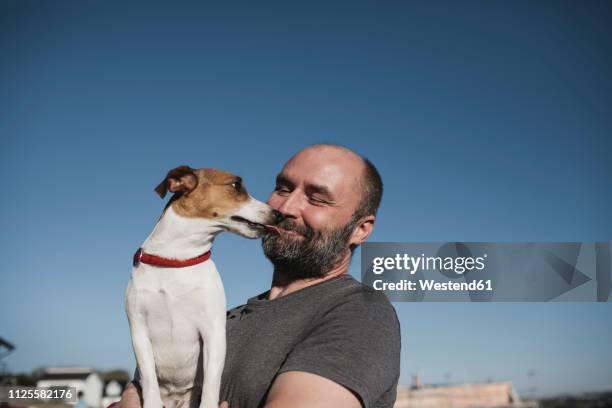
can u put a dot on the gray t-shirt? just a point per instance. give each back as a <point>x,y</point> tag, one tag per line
<point>338,329</point>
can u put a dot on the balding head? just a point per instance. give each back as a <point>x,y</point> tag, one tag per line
<point>368,182</point>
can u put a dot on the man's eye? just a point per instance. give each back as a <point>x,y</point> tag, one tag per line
<point>317,200</point>
<point>281,190</point>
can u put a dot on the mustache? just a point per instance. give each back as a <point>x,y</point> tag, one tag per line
<point>290,225</point>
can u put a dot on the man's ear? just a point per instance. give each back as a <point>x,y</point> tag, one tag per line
<point>362,230</point>
<point>180,179</point>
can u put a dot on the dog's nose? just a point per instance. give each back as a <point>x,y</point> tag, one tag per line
<point>278,216</point>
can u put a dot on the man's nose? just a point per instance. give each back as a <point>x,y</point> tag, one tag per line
<point>290,207</point>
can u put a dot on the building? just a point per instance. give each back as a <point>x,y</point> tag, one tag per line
<point>481,395</point>
<point>83,379</point>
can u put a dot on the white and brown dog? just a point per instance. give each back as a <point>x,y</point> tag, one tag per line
<point>175,300</point>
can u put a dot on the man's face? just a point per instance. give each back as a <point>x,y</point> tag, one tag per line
<point>318,192</point>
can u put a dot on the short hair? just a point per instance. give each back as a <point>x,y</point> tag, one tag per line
<point>371,183</point>
<point>371,190</point>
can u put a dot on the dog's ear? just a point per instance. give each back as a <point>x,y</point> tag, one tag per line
<point>181,179</point>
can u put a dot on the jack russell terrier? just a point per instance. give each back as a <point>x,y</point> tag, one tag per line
<point>175,301</point>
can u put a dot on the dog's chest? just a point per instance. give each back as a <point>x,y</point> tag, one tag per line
<point>171,294</point>
<point>173,307</point>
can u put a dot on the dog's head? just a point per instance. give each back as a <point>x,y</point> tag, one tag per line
<point>217,196</point>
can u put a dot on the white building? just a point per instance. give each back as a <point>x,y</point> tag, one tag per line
<point>83,379</point>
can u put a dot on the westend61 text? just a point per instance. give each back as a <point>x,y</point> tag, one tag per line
<point>430,284</point>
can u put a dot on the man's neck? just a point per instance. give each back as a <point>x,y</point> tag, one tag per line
<point>281,286</point>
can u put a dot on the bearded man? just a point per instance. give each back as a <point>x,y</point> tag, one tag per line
<point>318,337</point>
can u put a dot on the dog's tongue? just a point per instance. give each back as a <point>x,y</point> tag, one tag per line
<point>273,229</point>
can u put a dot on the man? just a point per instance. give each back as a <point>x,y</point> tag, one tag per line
<point>317,338</point>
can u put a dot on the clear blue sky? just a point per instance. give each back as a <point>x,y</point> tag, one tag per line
<point>489,121</point>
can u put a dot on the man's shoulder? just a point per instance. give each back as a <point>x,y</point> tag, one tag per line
<point>356,292</point>
<point>354,340</point>
<point>354,301</point>
<point>342,297</point>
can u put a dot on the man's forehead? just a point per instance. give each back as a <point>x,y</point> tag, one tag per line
<point>332,173</point>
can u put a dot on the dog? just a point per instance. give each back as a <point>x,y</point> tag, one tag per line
<point>175,300</point>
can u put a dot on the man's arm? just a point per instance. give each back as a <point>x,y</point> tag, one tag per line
<point>355,348</point>
<point>299,389</point>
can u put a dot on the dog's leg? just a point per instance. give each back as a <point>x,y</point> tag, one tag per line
<point>214,359</point>
<point>146,366</point>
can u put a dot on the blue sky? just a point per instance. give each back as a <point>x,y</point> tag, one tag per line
<point>489,121</point>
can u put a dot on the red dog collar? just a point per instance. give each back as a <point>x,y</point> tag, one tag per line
<point>141,256</point>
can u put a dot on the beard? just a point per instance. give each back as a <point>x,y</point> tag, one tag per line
<point>310,255</point>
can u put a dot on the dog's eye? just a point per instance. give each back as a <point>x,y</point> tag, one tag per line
<point>237,185</point>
